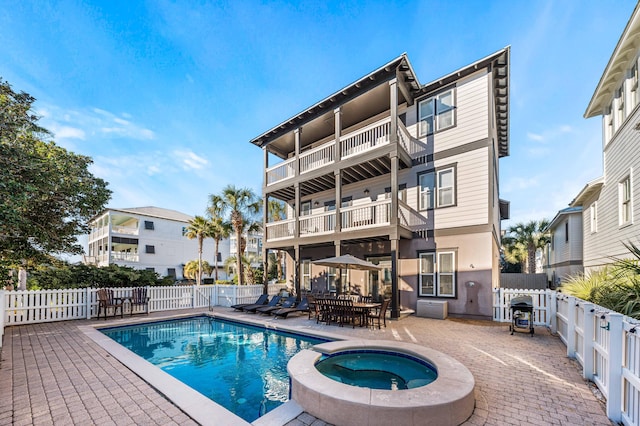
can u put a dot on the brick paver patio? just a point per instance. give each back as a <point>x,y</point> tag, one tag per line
<point>53,374</point>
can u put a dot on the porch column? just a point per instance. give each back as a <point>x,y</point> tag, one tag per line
<point>265,252</point>
<point>296,268</point>
<point>338,180</point>
<point>296,210</point>
<point>296,163</point>
<point>337,114</point>
<point>339,283</point>
<point>395,293</point>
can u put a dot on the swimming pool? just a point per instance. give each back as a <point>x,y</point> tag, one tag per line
<point>239,366</point>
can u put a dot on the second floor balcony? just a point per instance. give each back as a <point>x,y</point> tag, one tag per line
<point>369,216</point>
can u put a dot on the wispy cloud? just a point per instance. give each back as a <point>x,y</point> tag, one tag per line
<point>535,136</point>
<point>191,160</point>
<point>97,122</point>
<point>519,184</point>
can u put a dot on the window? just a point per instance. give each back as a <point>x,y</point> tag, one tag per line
<point>608,121</point>
<point>594,216</point>
<point>148,225</point>
<point>171,272</point>
<point>633,77</point>
<point>566,231</point>
<point>150,249</point>
<point>150,269</point>
<point>443,193</point>
<point>346,202</point>
<point>619,107</point>
<point>305,282</point>
<point>624,196</point>
<point>436,113</point>
<point>437,274</point>
<point>402,192</point>
<point>331,279</point>
<point>329,206</point>
<point>305,208</point>
<point>219,257</point>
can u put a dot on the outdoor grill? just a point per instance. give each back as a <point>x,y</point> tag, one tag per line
<point>522,314</point>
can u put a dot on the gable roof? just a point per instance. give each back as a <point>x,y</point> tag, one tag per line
<point>590,189</point>
<point>564,212</point>
<point>614,72</point>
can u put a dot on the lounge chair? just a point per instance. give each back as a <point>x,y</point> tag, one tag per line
<point>253,308</point>
<point>263,299</point>
<point>303,306</point>
<point>288,303</point>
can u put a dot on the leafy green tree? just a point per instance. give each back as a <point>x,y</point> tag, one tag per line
<point>80,276</point>
<point>523,240</point>
<point>242,206</point>
<point>200,228</point>
<point>47,194</point>
<point>220,229</point>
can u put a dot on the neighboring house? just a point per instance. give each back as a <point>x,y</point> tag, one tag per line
<point>610,203</point>
<point>562,256</point>
<point>147,238</point>
<point>399,173</point>
<point>253,249</point>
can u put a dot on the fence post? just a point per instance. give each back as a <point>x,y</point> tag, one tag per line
<point>552,303</point>
<point>587,341</point>
<point>87,301</point>
<point>571,327</point>
<point>193,296</point>
<point>3,303</point>
<point>149,301</point>
<point>614,399</point>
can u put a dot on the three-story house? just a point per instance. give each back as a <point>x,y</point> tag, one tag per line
<point>399,173</point>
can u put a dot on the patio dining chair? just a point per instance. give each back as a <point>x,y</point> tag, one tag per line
<point>381,314</point>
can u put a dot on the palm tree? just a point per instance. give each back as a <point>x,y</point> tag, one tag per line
<point>192,268</point>
<point>526,238</point>
<point>277,212</point>
<point>199,228</point>
<point>242,205</point>
<point>220,229</point>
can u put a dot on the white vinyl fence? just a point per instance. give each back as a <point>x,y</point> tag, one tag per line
<point>36,306</point>
<point>605,344</point>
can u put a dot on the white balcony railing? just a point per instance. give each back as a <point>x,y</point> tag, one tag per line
<point>126,257</point>
<point>369,137</point>
<point>322,223</point>
<point>373,214</point>
<point>280,230</point>
<point>318,157</point>
<point>281,171</point>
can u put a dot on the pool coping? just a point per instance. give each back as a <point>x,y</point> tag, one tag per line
<point>197,406</point>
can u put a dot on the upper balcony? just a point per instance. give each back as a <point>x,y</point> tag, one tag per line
<point>374,216</point>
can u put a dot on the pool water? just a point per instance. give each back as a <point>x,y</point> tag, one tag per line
<point>377,370</point>
<point>241,367</point>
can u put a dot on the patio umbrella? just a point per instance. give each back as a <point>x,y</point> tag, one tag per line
<point>347,261</point>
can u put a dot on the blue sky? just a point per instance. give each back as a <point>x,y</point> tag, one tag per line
<point>165,96</point>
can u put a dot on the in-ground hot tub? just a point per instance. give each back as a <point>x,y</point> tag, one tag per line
<point>447,400</point>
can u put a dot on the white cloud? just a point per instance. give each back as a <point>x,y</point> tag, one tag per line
<point>191,160</point>
<point>67,132</point>
<point>95,122</point>
<point>519,183</point>
<point>535,136</point>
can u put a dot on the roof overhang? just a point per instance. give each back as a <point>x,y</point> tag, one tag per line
<point>590,189</point>
<point>614,72</point>
<point>399,68</point>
